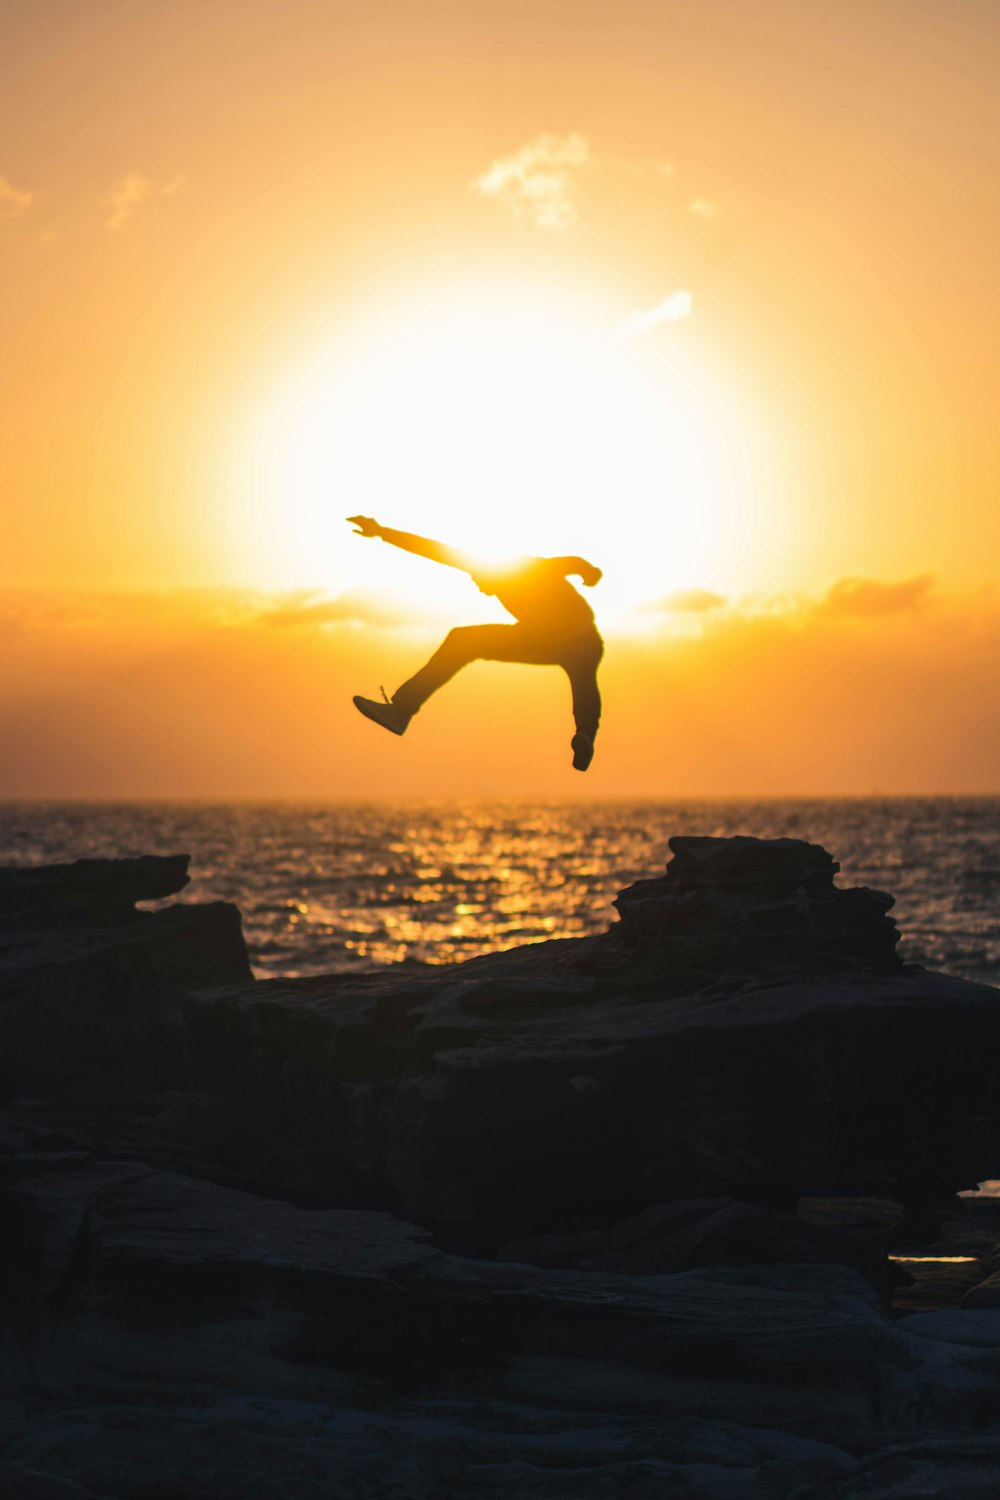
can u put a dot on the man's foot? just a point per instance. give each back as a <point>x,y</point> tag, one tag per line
<point>583,750</point>
<point>387,714</point>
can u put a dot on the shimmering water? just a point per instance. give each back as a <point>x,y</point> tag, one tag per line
<point>355,885</point>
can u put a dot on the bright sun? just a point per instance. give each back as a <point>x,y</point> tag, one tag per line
<point>502,426</point>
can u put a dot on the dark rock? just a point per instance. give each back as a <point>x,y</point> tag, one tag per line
<point>441,1449</point>
<point>226,1141</point>
<point>122,1224</point>
<point>534,1092</point>
<point>17,1483</point>
<point>937,1469</point>
<point>985,1293</point>
<point>744,1032</point>
<point>150,1281</point>
<point>763,864</point>
<point>112,1258</point>
<point>90,892</point>
<point>769,902</point>
<point>876,1218</point>
<point>940,1371</point>
<point>703,1232</point>
<point>91,989</point>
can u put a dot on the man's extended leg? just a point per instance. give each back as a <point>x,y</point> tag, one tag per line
<point>578,657</point>
<point>465,644</point>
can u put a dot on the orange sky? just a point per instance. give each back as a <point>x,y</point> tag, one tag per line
<point>705,292</point>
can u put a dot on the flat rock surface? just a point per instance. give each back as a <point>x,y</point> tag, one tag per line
<point>937,1469</point>
<point>148,1280</point>
<point>683,1235</point>
<point>164,1219</point>
<point>451,1448</point>
<point>440,1088</point>
<point>19,1483</point>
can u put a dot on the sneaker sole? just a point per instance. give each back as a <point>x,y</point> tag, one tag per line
<point>370,711</point>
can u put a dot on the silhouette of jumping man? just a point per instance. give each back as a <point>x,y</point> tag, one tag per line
<point>555,627</point>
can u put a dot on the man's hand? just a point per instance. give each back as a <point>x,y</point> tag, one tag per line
<point>365,526</point>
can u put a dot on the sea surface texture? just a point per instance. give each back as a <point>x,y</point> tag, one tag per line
<point>358,885</point>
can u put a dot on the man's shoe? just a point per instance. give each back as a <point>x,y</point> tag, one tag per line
<point>387,714</point>
<point>583,750</point>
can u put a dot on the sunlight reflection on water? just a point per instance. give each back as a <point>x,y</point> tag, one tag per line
<point>357,885</point>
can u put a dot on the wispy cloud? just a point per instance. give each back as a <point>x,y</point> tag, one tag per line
<point>555,181</point>
<point>125,197</point>
<point>132,190</point>
<point>866,597</point>
<point>357,606</point>
<point>848,598</point>
<point>672,309</point>
<point>686,602</point>
<point>722,213</point>
<point>13,201</point>
<point>789,703</point>
<point>537,182</point>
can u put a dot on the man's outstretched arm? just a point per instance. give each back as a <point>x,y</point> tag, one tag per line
<point>408,541</point>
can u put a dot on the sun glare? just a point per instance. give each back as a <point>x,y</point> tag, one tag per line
<point>501,427</point>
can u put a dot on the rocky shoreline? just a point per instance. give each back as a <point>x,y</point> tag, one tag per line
<point>620,1216</point>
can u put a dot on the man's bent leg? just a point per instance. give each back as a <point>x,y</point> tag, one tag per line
<point>581,669</point>
<point>580,666</point>
<point>465,644</point>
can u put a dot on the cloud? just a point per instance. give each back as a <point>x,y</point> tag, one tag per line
<point>537,181</point>
<point>848,598</point>
<point>672,309</point>
<point>357,606</point>
<point>138,614</point>
<point>132,190</point>
<point>687,602</point>
<point>13,201</point>
<point>189,693</point>
<point>125,197</point>
<point>543,183</point>
<point>724,213</point>
<point>130,613</point>
<point>867,597</point>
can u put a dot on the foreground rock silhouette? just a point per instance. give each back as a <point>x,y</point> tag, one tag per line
<point>90,988</point>
<point>745,1030</point>
<point>210,1287</point>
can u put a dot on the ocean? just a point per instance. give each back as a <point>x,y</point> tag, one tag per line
<point>356,885</point>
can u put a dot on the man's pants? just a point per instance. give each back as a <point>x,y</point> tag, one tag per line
<point>578,656</point>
